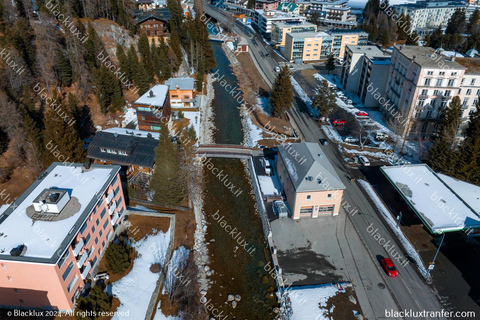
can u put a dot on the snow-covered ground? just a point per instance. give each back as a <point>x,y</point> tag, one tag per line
<point>130,115</point>
<point>332,134</point>
<point>252,132</point>
<point>263,105</point>
<point>177,263</point>
<point>269,185</point>
<point>310,303</point>
<point>135,289</point>
<point>393,226</point>
<point>194,117</point>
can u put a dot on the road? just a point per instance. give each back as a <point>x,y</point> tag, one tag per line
<point>408,290</point>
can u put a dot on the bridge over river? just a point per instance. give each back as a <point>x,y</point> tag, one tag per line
<point>232,151</point>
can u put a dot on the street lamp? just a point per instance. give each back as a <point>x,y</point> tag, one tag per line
<point>399,217</point>
<point>432,264</point>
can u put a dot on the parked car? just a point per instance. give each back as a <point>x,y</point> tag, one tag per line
<point>277,69</point>
<point>389,267</point>
<point>280,209</point>
<point>338,121</point>
<point>101,276</point>
<point>363,160</point>
<point>380,136</point>
<point>290,67</point>
<point>350,139</point>
<point>339,60</point>
<point>344,99</point>
<point>349,102</point>
<point>266,166</point>
<point>324,142</point>
<point>362,114</point>
<point>267,55</point>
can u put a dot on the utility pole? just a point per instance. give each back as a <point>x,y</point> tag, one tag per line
<point>432,264</point>
<point>399,218</point>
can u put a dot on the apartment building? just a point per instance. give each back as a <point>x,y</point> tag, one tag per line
<point>153,106</point>
<point>266,4</point>
<point>311,46</point>
<point>263,20</point>
<point>426,16</point>
<point>311,185</point>
<point>365,73</point>
<point>332,13</point>
<point>182,92</point>
<point>54,235</point>
<point>422,83</point>
<point>280,30</point>
<point>469,91</point>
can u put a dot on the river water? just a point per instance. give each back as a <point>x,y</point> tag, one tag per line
<point>237,248</point>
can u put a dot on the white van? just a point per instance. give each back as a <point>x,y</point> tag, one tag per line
<point>380,136</point>
<point>266,166</point>
<point>363,160</point>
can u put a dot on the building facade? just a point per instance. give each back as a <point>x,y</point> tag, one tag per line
<point>154,24</point>
<point>280,30</point>
<point>310,184</point>
<point>421,83</point>
<point>153,106</point>
<point>365,73</point>
<point>182,92</point>
<point>263,20</point>
<point>332,13</point>
<point>56,232</point>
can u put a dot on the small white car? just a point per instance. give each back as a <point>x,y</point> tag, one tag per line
<point>350,139</point>
<point>363,160</point>
<point>277,69</point>
<point>280,209</point>
<point>349,102</point>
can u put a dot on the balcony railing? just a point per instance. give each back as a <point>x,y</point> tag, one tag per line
<point>78,247</point>
<point>86,270</point>
<point>115,218</point>
<point>112,208</point>
<point>82,260</point>
<point>110,197</point>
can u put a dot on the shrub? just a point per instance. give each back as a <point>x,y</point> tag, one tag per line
<point>96,302</point>
<point>118,256</point>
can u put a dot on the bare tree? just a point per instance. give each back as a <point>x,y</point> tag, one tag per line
<point>361,133</point>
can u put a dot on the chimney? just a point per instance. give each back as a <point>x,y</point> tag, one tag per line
<point>86,165</point>
<point>150,94</point>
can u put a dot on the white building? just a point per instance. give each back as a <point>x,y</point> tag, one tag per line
<point>332,13</point>
<point>263,20</point>
<point>365,73</point>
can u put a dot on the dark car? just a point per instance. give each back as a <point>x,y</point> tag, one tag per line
<point>324,142</point>
<point>389,267</point>
<point>267,55</point>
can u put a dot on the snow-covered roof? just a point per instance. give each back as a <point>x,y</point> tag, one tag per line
<point>441,202</point>
<point>132,132</point>
<point>47,240</point>
<point>182,83</point>
<point>155,96</point>
<point>309,168</point>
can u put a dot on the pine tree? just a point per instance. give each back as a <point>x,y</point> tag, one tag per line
<point>146,56</point>
<point>469,154</point>
<point>473,22</point>
<point>175,43</point>
<point>403,26</point>
<point>108,90</point>
<point>34,147</point>
<point>386,38</point>
<point>330,64</point>
<point>325,100</point>
<point>132,63</point>
<point>281,98</point>
<point>412,39</point>
<point>200,76</point>
<point>122,58</point>
<point>64,69</point>
<point>93,46</point>
<point>436,38</point>
<point>167,180</point>
<point>142,79</point>
<point>457,23</point>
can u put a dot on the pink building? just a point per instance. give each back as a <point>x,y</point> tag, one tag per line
<point>312,187</point>
<point>53,236</point>
<point>267,4</point>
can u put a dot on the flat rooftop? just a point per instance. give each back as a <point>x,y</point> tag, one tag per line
<point>370,51</point>
<point>155,96</point>
<point>46,241</point>
<point>281,24</point>
<point>309,34</point>
<point>442,203</point>
<point>428,58</point>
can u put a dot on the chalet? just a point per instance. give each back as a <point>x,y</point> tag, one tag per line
<point>134,150</point>
<point>242,45</point>
<point>153,106</point>
<point>181,92</point>
<point>154,24</point>
<point>145,5</point>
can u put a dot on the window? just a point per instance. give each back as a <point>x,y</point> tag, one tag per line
<point>424,92</point>
<point>67,271</point>
<point>103,150</point>
<point>4,266</point>
<point>117,190</point>
<point>123,153</point>
<point>469,92</point>
<point>421,102</point>
<point>155,128</point>
<point>427,82</point>
<point>103,213</point>
<point>450,82</point>
<point>447,93</point>
<point>94,261</point>
<point>425,127</point>
<point>105,225</point>
<point>306,210</point>
<point>439,82</point>
<point>329,196</point>
<point>478,92</point>
<point>309,197</point>
<point>103,244</point>
<point>62,259</point>
<point>143,118</point>
<point>87,239</point>
<point>465,102</point>
<point>9,278</point>
<point>82,229</point>
<point>325,209</point>
<point>429,114</point>
<point>472,82</point>
<point>119,202</point>
<point>100,233</point>
<point>96,240</point>
<point>97,222</point>
<point>72,284</point>
<point>459,91</point>
<point>430,73</point>
<point>442,73</point>
<point>147,109</point>
<point>454,73</point>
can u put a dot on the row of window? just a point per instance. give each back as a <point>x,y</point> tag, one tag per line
<point>113,151</point>
<point>441,73</point>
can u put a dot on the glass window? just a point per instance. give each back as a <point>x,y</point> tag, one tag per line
<point>105,225</point>
<point>72,284</point>
<point>103,213</point>
<point>62,260</point>
<point>309,197</point>
<point>469,92</point>
<point>67,271</point>
<point>87,239</point>
<point>82,229</point>
<point>427,82</point>
<point>97,222</point>
<point>439,82</point>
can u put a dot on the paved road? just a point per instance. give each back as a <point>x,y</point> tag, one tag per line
<point>408,290</point>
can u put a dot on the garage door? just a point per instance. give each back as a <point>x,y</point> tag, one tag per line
<point>306,211</point>
<point>325,210</point>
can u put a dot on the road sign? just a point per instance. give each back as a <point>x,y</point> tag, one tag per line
<point>430,267</point>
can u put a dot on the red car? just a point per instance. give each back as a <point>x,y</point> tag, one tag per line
<point>389,268</point>
<point>362,114</point>
<point>338,121</point>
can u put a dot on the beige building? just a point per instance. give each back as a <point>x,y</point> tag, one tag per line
<point>312,187</point>
<point>280,30</point>
<point>421,84</point>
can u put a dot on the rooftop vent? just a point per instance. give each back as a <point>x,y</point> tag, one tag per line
<point>86,165</point>
<point>309,178</point>
<point>150,94</point>
<point>319,180</point>
<point>19,250</point>
<point>149,135</point>
<point>115,134</point>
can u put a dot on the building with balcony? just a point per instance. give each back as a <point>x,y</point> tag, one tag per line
<point>426,16</point>
<point>153,106</point>
<point>266,4</point>
<point>311,46</point>
<point>182,92</point>
<point>263,20</point>
<point>54,235</point>
<point>365,73</point>
<point>154,24</point>
<point>280,30</point>
<point>311,185</point>
<point>469,91</point>
<point>134,150</point>
<point>421,83</point>
<point>332,13</point>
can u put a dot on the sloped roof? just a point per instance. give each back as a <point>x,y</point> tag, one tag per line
<point>140,148</point>
<point>162,14</point>
<point>182,83</point>
<point>308,167</point>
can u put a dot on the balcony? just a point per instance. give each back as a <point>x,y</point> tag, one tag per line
<point>114,219</point>
<point>78,247</point>
<point>112,208</point>
<point>110,197</point>
<point>86,270</point>
<point>82,260</point>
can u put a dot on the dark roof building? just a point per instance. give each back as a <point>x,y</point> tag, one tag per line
<point>162,14</point>
<point>124,147</point>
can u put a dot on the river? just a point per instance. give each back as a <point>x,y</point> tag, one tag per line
<point>236,244</point>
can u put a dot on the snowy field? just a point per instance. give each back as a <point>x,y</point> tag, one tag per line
<point>252,133</point>
<point>130,115</point>
<point>194,117</point>
<point>310,303</point>
<point>393,226</point>
<point>135,289</point>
